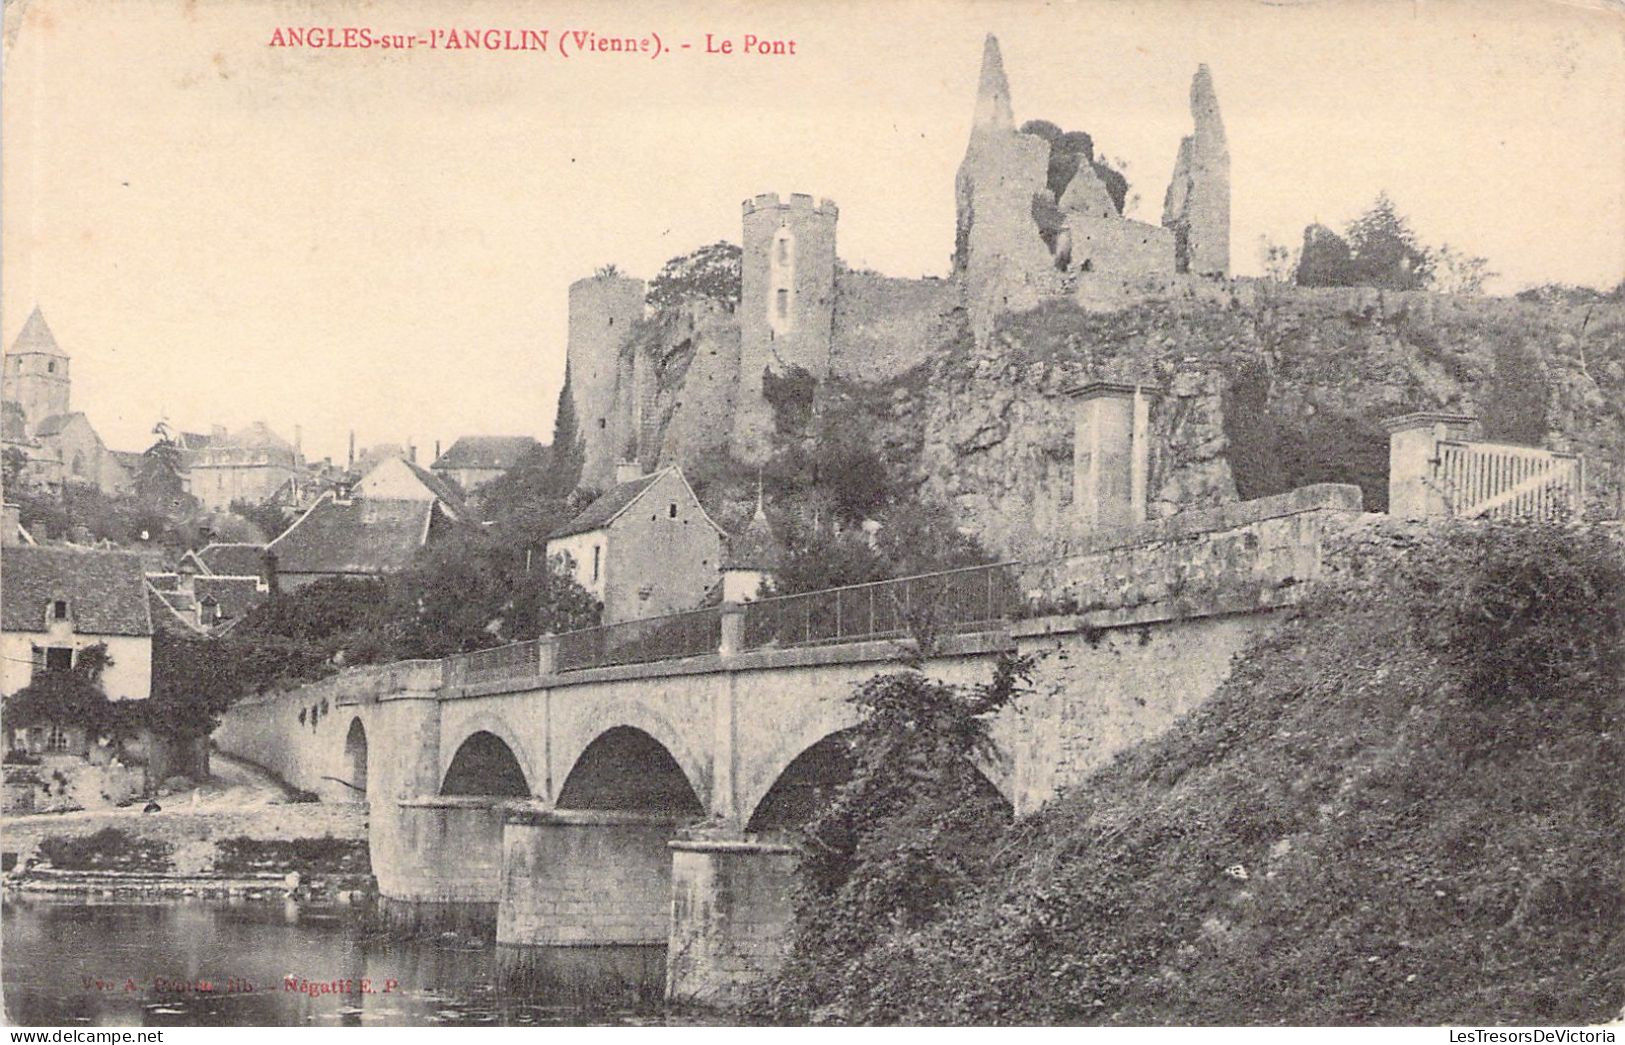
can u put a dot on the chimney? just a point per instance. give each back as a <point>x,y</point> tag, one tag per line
<point>299,444</point>
<point>351,463</point>
<point>627,471</point>
<point>268,570</point>
<point>12,524</point>
<point>437,449</point>
<point>1111,453</point>
<point>412,452</point>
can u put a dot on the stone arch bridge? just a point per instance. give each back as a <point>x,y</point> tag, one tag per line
<point>504,790</point>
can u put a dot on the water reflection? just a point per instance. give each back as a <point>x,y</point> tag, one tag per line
<point>206,962</point>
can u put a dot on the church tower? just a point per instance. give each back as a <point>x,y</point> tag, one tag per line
<point>36,374</point>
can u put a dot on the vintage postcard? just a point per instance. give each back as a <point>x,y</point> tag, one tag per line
<point>938,513</point>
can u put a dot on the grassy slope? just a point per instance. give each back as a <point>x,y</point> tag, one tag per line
<point>1337,837</point>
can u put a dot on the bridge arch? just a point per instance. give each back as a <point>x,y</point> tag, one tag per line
<point>790,798</point>
<point>484,764</point>
<point>459,732</point>
<point>682,733</point>
<point>354,766</point>
<point>626,768</point>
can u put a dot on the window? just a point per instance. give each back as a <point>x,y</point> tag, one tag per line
<point>782,302</point>
<point>59,609</point>
<point>597,560</point>
<point>671,512</point>
<point>50,368</point>
<point>59,658</point>
<point>56,739</point>
<point>602,422</point>
<point>784,251</point>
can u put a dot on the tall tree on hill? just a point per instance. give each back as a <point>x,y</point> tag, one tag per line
<point>568,451</point>
<point>1386,251</point>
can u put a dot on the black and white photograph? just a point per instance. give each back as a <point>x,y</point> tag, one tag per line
<point>705,515</point>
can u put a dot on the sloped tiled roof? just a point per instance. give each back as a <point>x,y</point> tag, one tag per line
<point>36,336</point>
<point>607,507</point>
<point>54,424</point>
<point>362,536</point>
<point>166,618</point>
<point>233,559</point>
<point>106,591</point>
<point>486,451</point>
<point>165,581</point>
<point>234,595</point>
<point>439,487</point>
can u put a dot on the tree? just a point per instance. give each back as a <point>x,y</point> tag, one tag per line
<point>1385,251</point>
<point>1324,260</point>
<point>1456,272</point>
<point>915,828</point>
<point>568,451</point>
<point>710,273</point>
<point>1278,261</point>
<point>70,698</point>
<point>268,518</point>
<point>159,481</point>
<point>13,467</point>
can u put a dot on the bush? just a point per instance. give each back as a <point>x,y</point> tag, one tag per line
<point>109,849</point>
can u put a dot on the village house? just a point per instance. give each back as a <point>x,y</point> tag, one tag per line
<point>250,465</point>
<point>644,548</point>
<point>475,460</point>
<point>369,530</point>
<point>55,601</point>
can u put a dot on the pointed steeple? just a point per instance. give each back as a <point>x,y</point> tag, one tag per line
<point>36,336</point>
<point>993,112</point>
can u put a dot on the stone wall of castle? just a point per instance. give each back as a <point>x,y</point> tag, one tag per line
<point>885,327</point>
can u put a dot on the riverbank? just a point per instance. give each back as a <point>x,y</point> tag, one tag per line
<point>305,850</point>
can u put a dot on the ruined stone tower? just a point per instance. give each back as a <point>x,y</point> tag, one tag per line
<point>37,372</point>
<point>786,306</point>
<point>998,251</point>
<point>603,310</point>
<point>1197,207</point>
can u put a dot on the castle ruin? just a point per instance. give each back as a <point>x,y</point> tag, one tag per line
<point>803,317</point>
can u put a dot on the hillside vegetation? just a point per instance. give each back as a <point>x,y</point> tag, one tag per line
<point>1404,807</point>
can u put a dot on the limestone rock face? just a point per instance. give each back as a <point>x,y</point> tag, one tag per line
<point>1197,206</point>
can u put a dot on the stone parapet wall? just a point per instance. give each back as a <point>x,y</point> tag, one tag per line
<point>1238,557</point>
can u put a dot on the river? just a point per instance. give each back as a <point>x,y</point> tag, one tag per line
<point>124,963</point>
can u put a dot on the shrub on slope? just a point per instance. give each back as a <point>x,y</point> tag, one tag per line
<point>1404,806</point>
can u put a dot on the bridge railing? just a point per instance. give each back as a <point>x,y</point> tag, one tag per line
<point>671,637</point>
<point>516,660</point>
<point>967,599</point>
<point>1501,481</point>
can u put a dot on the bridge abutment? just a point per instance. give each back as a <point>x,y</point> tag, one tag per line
<point>730,914</point>
<point>585,877</point>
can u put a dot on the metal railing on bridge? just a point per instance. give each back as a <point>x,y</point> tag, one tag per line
<point>517,660</point>
<point>968,599</point>
<point>674,636</point>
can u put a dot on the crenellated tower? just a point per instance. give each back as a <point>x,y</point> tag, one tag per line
<point>786,305</point>
<point>603,311</point>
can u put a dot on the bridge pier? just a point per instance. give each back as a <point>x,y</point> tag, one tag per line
<point>585,877</point>
<point>446,874</point>
<point>730,913</point>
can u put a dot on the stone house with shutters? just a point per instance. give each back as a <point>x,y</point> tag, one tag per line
<point>56,601</point>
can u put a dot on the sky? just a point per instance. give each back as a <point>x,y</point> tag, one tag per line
<point>221,231</point>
